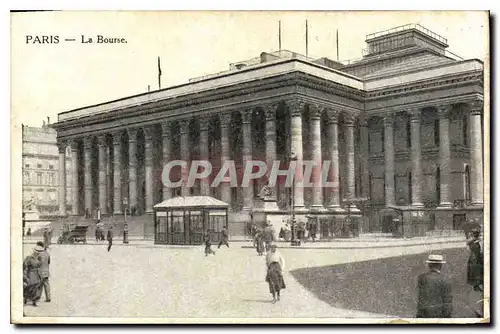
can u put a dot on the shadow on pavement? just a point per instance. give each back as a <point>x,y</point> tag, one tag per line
<point>385,286</point>
<point>263,301</point>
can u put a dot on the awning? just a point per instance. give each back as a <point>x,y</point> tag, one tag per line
<point>191,202</point>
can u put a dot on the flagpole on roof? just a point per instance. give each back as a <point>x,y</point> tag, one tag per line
<point>279,35</point>
<point>337,39</point>
<point>159,73</point>
<point>307,33</point>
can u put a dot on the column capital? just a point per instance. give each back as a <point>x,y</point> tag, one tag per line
<point>315,111</point>
<point>349,118</point>
<point>270,111</point>
<point>363,120</point>
<point>296,106</point>
<point>148,132</point>
<point>117,137</point>
<point>415,114</point>
<point>476,107</point>
<point>332,115</point>
<point>87,142</point>
<point>184,125</point>
<point>61,146</point>
<point>388,118</point>
<point>444,110</point>
<point>74,144</point>
<point>132,134</point>
<point>101,140</point>
<point>225,120</point>
<point>246,116</point>
<point>165,128</point>
<point>204,123</point>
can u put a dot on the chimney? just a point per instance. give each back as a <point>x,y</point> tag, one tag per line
<point>43,125</point>
<point>48,120</point>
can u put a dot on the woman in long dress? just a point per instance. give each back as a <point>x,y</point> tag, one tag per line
<point>275,265</point>
<point>32,282</point>
<point>475,263</point>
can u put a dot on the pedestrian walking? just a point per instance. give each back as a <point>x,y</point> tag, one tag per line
<point>208,244</point>
<point>44,271</point>
<point>434,292</point>
<point>259,242</point>
<point>110,238</point>
<point>32,282</point>
<point>46,237</point>
<point>269,236</point>
<point>275,264</point>
<point>224,237</point>
<point>475,266</point>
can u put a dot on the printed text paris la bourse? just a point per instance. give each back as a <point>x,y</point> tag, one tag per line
<point>83,39</point>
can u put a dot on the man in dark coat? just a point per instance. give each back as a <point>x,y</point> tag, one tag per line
<point>224,237</point>
<point>44,258</point>
<point>110,237</point>
<point>434,292</point>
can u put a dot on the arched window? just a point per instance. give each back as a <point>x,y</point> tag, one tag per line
<point>467,183</point>
<point>438,184</point>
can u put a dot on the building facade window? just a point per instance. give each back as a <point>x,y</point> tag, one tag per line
<point>464,130</point>
<point>26,177</point>
<point>438,184</point>
<point>39,178</point>
<point>52,179</point>
<point>39,166</point>
<point>410,193</point>
<point>436,132</point>
<point>51,166</point>
<point>467,194</point>
<point>408,132</point>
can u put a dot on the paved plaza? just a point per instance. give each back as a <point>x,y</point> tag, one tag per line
<point>178,282</point>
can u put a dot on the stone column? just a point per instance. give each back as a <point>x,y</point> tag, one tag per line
<point>103,199</point>
<point>246,120</point>
<point>333,140</point>
<point>476,153</point>
<point>315,141</point>
<point>87,176</point>
<point>364,144</point>
<point>416,159</point>
<point>351,180</point>
<point>167,154</point>
<point>117,173</point>
<point>148,167</point>
<point>185,156</point>
<point>225,122</point>
<point>204,156</point>
<point>444,155</point>
<point>270,112</point>
<point>61,145</point>
<point>132,168</point>
<point>75,198</point>
<point>109,180</point>
<point>296,107</point>
<point>390,196</point>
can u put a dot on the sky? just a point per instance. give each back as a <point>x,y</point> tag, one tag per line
<point>47,79</point>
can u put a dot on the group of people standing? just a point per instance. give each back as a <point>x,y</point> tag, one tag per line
<point>36,274</point>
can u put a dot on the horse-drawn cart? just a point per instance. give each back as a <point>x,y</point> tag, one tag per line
<point>73,233</point>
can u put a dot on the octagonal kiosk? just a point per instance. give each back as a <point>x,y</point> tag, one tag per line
<point>184,220</point>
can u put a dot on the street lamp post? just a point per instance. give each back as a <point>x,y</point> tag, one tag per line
<point>294,241</point>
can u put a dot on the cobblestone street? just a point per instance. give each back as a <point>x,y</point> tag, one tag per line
<point>175,282</point>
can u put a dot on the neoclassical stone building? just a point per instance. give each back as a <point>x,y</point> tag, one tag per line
<point>402,127</point>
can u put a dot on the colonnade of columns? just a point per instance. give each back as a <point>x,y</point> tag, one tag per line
<point>295,109</point>
<point>476,150</point>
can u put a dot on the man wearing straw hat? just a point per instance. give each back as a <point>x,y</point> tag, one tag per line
<point>434,292</point>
